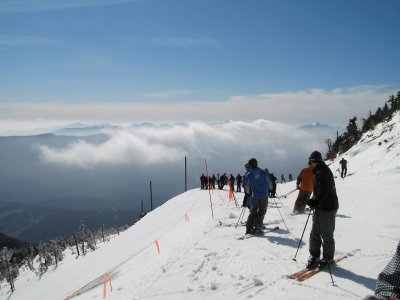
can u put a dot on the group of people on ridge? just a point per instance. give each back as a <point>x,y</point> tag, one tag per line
<point>208,182</point>
<point>317,190</point>
<point>318,179</point>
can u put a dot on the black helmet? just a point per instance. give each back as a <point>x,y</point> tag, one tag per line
<point>252,162</point>
<point>315,157</point>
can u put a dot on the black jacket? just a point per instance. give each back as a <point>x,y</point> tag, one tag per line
<point>324,197</point>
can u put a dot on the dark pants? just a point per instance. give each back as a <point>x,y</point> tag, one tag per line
<point>344,172</point>
<point>301,201</point>
<point>323,226</point>
<point>257,212</point>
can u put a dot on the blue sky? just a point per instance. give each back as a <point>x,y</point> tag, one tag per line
<point>115,60</point>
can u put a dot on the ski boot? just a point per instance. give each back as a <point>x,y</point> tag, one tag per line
<point>312,262</point>
<point>324,262</point>
<point>258,230</point>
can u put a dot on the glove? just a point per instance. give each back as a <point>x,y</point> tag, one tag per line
<point>311,203</point>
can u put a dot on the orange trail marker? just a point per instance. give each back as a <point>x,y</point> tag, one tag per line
<point>187,218</point>
<point>158,247</point>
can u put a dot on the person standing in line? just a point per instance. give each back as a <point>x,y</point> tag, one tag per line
<point>304,184</point>
<point>231,183</point>
<point>343,165</point>
<point>238,183</point>
<point>207,184</point>
<point>269,182</point>
<point>224,181</point>
<point>283,179</point>
<point>202,181</point>
<point>257,184</point>
<point>325,205</point>
<point>213,179</point>
<point>272,193</point>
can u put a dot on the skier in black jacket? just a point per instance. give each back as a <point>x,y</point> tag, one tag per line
<point>343,164</point>
<point>325,205</point>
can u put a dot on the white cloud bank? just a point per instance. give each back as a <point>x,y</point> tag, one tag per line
<point>123,147</point>
<point>334,107</point>
<point>226,146</point>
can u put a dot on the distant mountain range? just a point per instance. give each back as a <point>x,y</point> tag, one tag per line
<point>324,130</point>
<point>10,242</point>
<point>82,129</point>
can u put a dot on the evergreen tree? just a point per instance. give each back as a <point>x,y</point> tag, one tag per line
<point>8,270</point>
<point>44,258</point>
<point>368,124</point>
<point>352,135</point>
<point>385,111</point>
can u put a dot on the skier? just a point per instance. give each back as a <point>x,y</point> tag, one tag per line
<point>231,182</point>
<point>283,179</point>
<point>207,184</point>
<point>343,165</point>
<point>225,180</point>
<point>325,205</point>
<point>238,183</point>
<point>222,181</point>
<point>269,181</point>
<point>290,177</point>
<point>272,193</point>
<point>257,183</point>
<point>202,181</point>
<point>304,184</point>
<point>213,179</point>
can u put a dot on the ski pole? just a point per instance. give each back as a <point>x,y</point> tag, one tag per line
<point>301,239</point>
<point>234,198</point>
<point>209,193</point>
<point>241,220</point>
<point>240,216</point>
<point>281,215</point>
<point>288,193</point>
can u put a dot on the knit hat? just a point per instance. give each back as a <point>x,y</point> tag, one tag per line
<point>252,162</point>
<point>315,157</point>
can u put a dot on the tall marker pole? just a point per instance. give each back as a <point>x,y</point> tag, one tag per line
<point>151,196</point>
<point>185,175</point>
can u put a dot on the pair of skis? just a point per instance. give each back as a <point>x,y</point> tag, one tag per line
<point>305,273</point>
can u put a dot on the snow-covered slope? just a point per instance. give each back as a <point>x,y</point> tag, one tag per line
<point>201,257</point>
